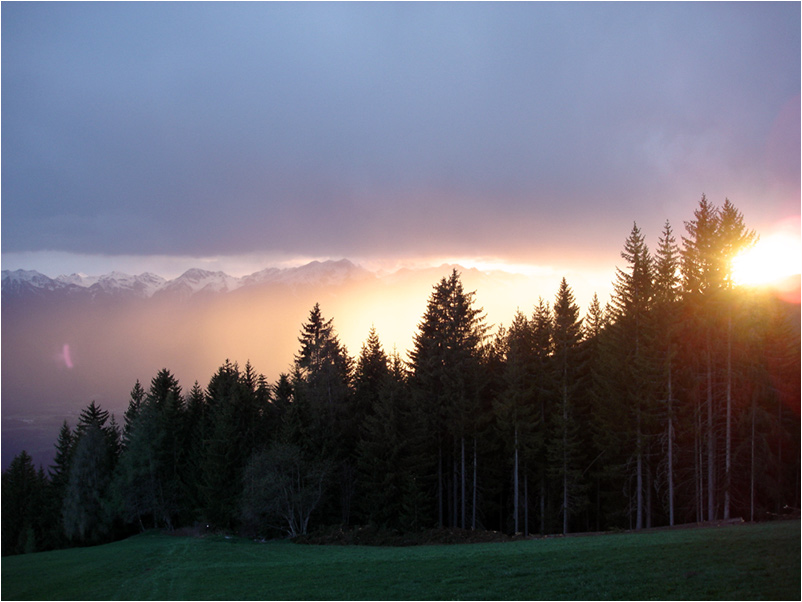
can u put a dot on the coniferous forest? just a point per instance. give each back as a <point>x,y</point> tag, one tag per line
<point>676,402</point>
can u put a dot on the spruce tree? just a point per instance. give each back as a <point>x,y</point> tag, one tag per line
<point>60,469</point>
<point>145,496</point>
<point>389,456</point>
<point>715,237</point>
<point>87,508</point>
<point>699,284</point>
<point>733,238</point>
<point>666,311</point>
<point>59,474</point>
<point>370,379</point>
<point>372,369</point>
<point>542,324</point>
<point>632,334</point>
<point>228,442</point>
<point>564,450</point>
<point>282,395</point>
<point>91,415</point>
<point>322,387</point>
<point>137,398</point>
<point>446,368</point>
<point>166,398</point>
<point>516,405</point>
<point>147,482</point>
<point>195,432</point>
<point>593,328</point>
<point>321,412</point>
<point>22,506</point>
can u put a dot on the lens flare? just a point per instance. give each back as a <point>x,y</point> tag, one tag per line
<point>65,356</point>
<point>773,259</point>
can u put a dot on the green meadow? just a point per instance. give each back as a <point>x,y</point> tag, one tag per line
<point>718,563</point>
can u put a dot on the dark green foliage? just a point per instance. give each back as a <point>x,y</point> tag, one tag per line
<point>370,379</point>
<point>565,454</point>
<point>321,387</point>
<point>630,425</point>
<point>711,345</point>
<point>678,401</point>
<point>389,456</point>
<point>92,452</point>
<point>59,474</point>
<point>134,405</point>
<point>60,470</point>
<point>282,489</point>
<point>320,420</point>
<point>323,365</point>
<point>447,383</point>
<point>25,495</point>
<point>236,402</point>
<point>516,406</point>
<point>147,484</point>
<point>195,428</point>
<point>665,316</point>
<point>86,510</point>
<point>91,416</point>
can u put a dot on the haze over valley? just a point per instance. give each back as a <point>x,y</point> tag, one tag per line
<point>74,338</point>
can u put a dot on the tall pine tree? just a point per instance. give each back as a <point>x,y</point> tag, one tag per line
<point>564,450</point>
<point>446,379</point>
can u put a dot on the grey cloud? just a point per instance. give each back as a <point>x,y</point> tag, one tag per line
<point>227,128</point>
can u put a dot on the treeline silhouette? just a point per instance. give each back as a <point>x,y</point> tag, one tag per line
<point>676,402</point>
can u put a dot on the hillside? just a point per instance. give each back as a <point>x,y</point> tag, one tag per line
<point>757,561</point>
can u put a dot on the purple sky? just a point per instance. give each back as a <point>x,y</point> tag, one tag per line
<point>141,135</point>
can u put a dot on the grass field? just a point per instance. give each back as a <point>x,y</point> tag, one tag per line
<point>725,563</point>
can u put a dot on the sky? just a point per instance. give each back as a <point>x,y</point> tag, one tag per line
<point>162,136</point>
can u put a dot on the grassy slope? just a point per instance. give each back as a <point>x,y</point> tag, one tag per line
<point>741,562</point>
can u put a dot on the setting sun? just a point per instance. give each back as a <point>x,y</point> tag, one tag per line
<point>771,260</point>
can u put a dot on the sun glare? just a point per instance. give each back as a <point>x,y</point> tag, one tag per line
<point>770,261</point>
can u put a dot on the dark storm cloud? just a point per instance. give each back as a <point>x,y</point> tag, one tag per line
<point>183,128</point>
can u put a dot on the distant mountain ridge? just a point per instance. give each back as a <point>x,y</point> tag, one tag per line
<point>119,328</point>
<point>22,283</point>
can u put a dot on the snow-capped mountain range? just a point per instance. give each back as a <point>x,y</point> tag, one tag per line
<point>21,283</point>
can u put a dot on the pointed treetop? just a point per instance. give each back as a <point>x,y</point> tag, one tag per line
<point>567,323</point>
<point>666,267</point>
<point>733,239</point>
<point>633,284</point>
<point>92,415</point>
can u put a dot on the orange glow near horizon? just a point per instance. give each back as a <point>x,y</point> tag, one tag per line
<point>396,310</point>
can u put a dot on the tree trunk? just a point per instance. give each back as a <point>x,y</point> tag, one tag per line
<point>463,477</point>
<point>670,453</point>
<point>711,451</point>
<point>440,484</point>
<point>699,461</point>
<point>515,484</point>
<point>648,496</point>
<point>526,503</point>
<point>728,456</point>
<point>752,467</point>
<point>639,477</point>
<point>475,489</point>
<point>454,489</point>
<point>542,502</point>
<point>780,454</point>
<point>565,460</point>
<point>565,503</point>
